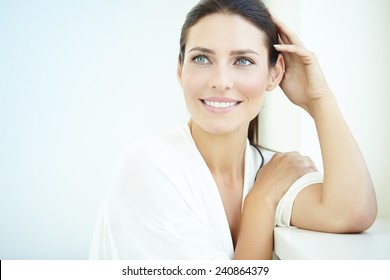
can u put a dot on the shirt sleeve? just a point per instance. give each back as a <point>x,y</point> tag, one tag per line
<point>103,244</point>
<point>285,205</point>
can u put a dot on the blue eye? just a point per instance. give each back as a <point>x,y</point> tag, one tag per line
<point>242,61</point>
<point>201,59</point>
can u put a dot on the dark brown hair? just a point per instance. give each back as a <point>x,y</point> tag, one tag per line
<point>252,10</point>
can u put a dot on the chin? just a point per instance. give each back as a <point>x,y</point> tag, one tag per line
<point>223,127</point>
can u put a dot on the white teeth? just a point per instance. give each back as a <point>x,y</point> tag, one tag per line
<point>220,104</point>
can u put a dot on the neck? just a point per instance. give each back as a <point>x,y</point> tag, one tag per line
<point>224,154</point>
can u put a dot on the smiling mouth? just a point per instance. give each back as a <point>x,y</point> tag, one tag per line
<point>220,105</point>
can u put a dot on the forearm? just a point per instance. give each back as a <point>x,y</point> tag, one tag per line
<point>255,240</point>
<point>347,183</point>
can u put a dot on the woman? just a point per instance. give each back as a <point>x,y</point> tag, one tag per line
<point>206,190</point>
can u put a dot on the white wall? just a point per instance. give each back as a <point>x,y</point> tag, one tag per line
<point>81,79</point>
<point>279,121</point>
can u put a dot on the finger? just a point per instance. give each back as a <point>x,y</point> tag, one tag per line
<point>278,23</point>
<point>287,35</point>
<point>283,29</point>
<point>310,163</point>
<point>283,40</point>
<point>294,49</point>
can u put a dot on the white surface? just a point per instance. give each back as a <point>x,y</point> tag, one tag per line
<point>298,244</point>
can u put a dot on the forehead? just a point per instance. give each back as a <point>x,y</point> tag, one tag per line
<point>226,31</point>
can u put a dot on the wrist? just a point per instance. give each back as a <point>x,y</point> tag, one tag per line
<point>318,105</point>
<point>259,198</point>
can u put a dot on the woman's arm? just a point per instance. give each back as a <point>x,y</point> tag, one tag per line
<point>346,200</point>
<point>255,240</point>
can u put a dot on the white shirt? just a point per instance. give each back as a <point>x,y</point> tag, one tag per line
<point>164,203</point>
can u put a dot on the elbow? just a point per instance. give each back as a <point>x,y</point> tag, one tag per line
<point>359,213</point>
<point>359,219</point>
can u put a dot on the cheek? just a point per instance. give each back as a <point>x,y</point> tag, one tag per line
<point>194,81</point>
<point>252,84</point>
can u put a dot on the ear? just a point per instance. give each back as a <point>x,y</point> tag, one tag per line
<point>276,73</point>
<point>179,69</point>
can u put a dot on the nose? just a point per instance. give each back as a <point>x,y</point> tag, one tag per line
<point>221,79</point>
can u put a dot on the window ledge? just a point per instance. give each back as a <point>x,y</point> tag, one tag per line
<point>299,244</point>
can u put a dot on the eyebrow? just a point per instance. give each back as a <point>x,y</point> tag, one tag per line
<point>242,52</point>
<point>237,52</point>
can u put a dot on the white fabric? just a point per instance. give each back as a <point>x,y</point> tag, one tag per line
<point>285,205</point>
<point>164,203</point>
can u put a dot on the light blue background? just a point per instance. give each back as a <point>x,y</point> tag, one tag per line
<point>79,80</point>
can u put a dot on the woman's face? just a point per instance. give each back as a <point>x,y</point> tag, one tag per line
<point>225,73</point>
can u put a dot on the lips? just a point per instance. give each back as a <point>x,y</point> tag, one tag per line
<point>220,104</point>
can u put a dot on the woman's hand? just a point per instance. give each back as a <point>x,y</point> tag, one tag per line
<point>303,81</point>
<point>276,177</point>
